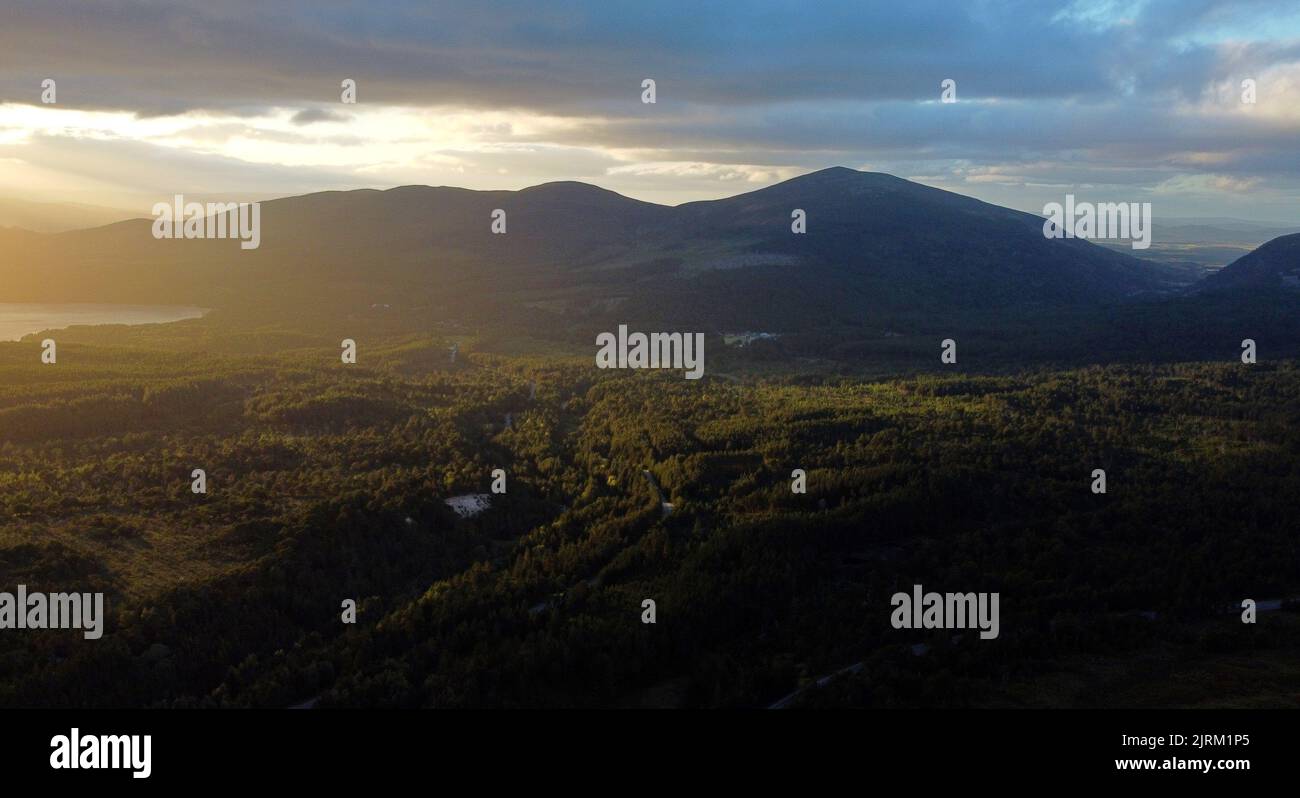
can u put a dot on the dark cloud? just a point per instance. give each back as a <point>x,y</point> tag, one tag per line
<point>568,56</point>
<point>310,116</point>
<point>1097,88</point>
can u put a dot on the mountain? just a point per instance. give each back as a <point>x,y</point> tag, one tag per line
<point>1202,229</point>
<point>54,217</point>
<point>1275,266</point>
<point>878,249</point>
<point>876,244</point>
<point>1228,232</point>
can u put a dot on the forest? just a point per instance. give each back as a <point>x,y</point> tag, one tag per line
<point>329,482</point>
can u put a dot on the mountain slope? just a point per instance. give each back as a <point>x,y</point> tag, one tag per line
<point>575,256</point>
<point>1273,266</point>
<point>903,243</point>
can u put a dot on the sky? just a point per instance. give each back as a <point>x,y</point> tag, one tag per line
<point>1111,101</point>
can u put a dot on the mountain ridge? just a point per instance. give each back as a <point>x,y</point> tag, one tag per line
<point>1274,265</point>
<point>877,248</point>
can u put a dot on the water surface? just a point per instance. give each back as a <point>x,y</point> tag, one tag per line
<point>19,319</point>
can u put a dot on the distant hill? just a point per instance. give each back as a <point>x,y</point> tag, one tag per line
<point>877,248</point>
<point>1220,229</point>
<point>1234,233</point>
<point>54,217</point>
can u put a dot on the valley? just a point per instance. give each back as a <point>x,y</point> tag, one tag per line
<point>329,481</point>
<point>471,364</point>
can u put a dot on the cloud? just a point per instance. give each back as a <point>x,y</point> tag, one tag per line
<point>310,116</point>
<point>1138,96</point>
<point>1210,185</point>
<point>574,56</point>
<point>94,170</point>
